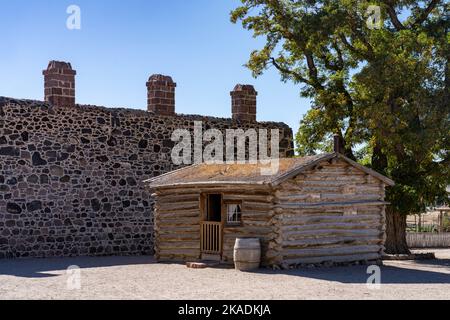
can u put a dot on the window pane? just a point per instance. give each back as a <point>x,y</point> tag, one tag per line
<point>234,213</point>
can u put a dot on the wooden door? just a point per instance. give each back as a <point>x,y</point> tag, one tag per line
<point>211,237</point>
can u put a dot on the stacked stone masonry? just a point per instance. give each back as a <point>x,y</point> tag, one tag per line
<point>71,176</point>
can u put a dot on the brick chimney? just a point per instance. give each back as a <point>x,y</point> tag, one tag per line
<point>243,103</point>
<point>59,84</point>
<point>161,95</point>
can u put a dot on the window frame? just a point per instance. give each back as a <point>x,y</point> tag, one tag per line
<point>231,223</point>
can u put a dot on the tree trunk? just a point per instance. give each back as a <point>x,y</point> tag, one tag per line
<point>395,233</point>
<point>395,222</point>
<point>379,160</point>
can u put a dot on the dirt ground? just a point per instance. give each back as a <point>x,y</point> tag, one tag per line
<point>142,278</point>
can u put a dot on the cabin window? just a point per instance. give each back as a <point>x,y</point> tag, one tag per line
<point>234,213</point>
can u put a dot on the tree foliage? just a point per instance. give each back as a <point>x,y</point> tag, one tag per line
<point>384,90</point>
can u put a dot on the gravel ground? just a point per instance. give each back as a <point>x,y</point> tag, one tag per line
<point>142,278</point>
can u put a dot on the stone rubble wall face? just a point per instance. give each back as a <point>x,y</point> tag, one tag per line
<point>71,178</point>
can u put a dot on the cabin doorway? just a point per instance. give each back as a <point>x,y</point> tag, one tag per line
<point>211,226</point>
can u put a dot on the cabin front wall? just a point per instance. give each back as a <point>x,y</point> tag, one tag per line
<point>333,212</point>
<point>258,221</point>
<point>180,211</point>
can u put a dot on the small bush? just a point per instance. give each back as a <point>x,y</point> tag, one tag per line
<point>446,223</point>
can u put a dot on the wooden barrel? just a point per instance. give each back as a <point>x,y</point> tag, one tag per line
<point>247,254</point>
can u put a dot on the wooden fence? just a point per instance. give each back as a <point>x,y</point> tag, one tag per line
<point>428,240</point>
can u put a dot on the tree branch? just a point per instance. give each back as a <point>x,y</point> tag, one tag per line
<point>298,77</point>
<point>329,64</point>
<point>313,74</point>
<point>393,16</point>
<point>339,54</point>
<point>367,56</point>
<point>425,13</point>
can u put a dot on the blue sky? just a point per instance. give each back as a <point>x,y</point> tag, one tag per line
<point>121,43</point>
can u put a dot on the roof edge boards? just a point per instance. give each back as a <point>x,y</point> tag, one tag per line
<point>293,173</point>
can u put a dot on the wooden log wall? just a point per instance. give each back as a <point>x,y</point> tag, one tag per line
<point>334,212</point>
<point>258,221</point>
<point>177,225</point>
<point>178,217</point>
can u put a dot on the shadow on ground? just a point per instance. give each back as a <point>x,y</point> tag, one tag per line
<point>435,271</point>
<point>43,268</point>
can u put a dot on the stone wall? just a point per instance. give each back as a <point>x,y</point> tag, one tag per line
<point>71,176</point>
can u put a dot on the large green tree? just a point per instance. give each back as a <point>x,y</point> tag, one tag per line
<point>377,73</point>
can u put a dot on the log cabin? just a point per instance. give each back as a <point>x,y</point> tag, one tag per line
<point>316,209</point>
